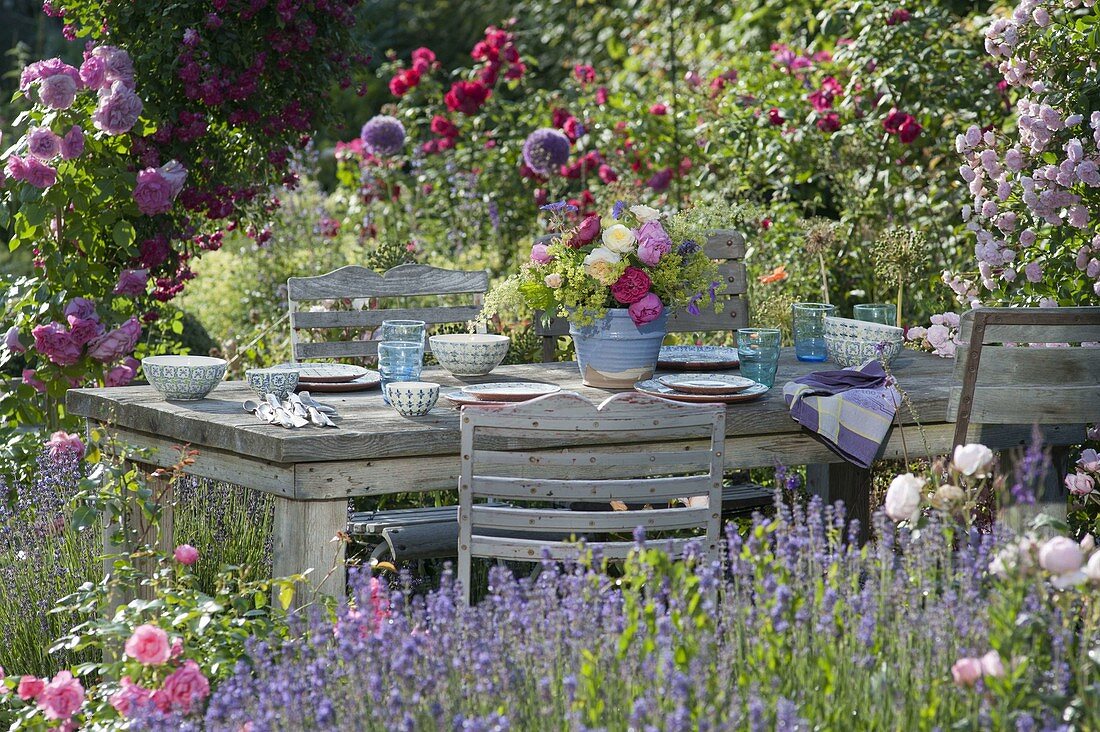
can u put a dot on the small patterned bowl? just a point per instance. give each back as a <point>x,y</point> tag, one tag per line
<point>183,378</point>
<point>862,330</point>
<point>412,398</point>
<point>856,351</point>
<point>279,382</point>
<point>469,354</point>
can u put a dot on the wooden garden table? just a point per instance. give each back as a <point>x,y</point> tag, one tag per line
<point>312,472</point>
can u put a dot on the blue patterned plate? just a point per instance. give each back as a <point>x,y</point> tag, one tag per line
<point>697,358</point>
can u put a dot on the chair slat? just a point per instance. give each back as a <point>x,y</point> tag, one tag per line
<point>534,520</point>
<point>630,490</point>
<point>336,349</point>
<point>1030,404</point>
<point>531,550</point>
<point>374,318</point>
<point>403,281</point>
<point>1002,365</point>
<point>592,459</point>
<point>724,245</point>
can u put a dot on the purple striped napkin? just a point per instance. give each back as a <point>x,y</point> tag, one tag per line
<point>851,409</point>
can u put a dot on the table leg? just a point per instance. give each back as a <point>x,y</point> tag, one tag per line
<point>304,532</point>
<point>817,480</point>
<point>852,485</point>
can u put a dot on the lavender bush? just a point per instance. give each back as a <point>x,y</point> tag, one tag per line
<point>797,627</point>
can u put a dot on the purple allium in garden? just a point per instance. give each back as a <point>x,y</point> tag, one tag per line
<point>545,150</point>
<point>383,136</point>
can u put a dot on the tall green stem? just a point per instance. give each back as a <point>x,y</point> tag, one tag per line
<point>824,278</point>
<point>901,288</point>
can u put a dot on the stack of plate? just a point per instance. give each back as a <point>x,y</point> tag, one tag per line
<point>711,388</point>
<point>332,377</point>
<point>697,358</point>
<point>501,393</point>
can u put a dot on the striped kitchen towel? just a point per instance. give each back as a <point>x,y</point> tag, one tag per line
<point>850,409</point>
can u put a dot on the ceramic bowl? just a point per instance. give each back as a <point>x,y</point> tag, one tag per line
<point>862,330</point>
<point>279,382</point>
<point>412,398</point>
<point>469,354</point>
<point>183,378</point>
<point>856,351</point>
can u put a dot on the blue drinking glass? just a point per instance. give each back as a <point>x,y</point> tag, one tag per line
<point>412,331</point>
<point>399,361</point>
<point>808,324</point>
<point>758,351</point>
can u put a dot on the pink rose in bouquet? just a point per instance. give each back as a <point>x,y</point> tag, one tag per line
<point>539,255</point>
<point>587,232</point>
<point>116,343</point>
<point>632,286</point>
<point>55,343</point>
<point>653,242</point>
<point>646,310</point>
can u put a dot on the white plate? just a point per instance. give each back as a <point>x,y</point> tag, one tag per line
<point>324,373</point>
<point>656,388</point>
<point>697,358</point>
<point>459,400</point>
<point>707,383</point>
<point>510,391</point>
<point>369,380</point>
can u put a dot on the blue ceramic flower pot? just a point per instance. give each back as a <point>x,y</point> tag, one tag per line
<point>613,352</point>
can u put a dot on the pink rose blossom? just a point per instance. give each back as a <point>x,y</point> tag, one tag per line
<point>62,697</point>
<point>120,375</point>
<point>38,174</point>
<point>182,688</point>
<point>658,110</point>
<point>72,144</point>
<point>93,72</point>
<point>1089,460</point>
<point>539,255</point>
<point>1078,216</point>
<point>116,343</point>
<point>30,687</point>
<point>117,65</point>
<point>148,645</point>
<point>1080,484</point>
<point>966,671</point>
<point>61,442</point>
<point>153,192</point>
<point>12,342</point>
<point>30,379</point>
<point>84,330</point>
<point>186,554</point>
<point>118,109</point>
<point>130,697</point>
<point>16,168</point>
<point>132,282</point>
<point>1061,555</point>
<point>1034,272</point>
<point>646,310</point>
<point>81,307</point>
<point>54,342</point>
<point>57,91</point>
<point>653,242</point>
<point>587,232</point>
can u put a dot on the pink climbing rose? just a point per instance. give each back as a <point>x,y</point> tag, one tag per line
<point>148,645</point>
<point>30,687</point>
<point>182,688</point>
<point>116,343</point>
<point>186,554</point>
<point>55,342</point>
<point>118,110</point>
<point>61,443</point>
<point>62,697</point>
<point>72,144</point>
<point>132,282</point>
<point>43,143</point>
<point>129,697</point>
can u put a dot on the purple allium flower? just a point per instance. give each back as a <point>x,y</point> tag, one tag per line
<point>383,135</point>
<point>545,150</point>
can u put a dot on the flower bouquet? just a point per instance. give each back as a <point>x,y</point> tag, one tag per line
<point>614,279</point>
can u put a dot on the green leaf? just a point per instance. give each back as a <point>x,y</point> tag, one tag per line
<point>83,518</point>
<point>124,234</point>
<point>286,595</point>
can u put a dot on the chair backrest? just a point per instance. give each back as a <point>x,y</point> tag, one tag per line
<point>354,283</point>
<point>999,379</point>
<point>561,447</point>
<point>728,248</point>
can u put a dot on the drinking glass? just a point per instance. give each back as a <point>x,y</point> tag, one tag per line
<point>404,330</point>
<point>758,350</point>
<point>876,312</point>
<point>399,361</point>
<point>808,324</point>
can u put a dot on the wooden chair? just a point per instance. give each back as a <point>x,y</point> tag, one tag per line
<point>391,529</point>
<point>728,247</point>
<point>1018,385</point>
<point>504,456</point>
<point>359,283</point>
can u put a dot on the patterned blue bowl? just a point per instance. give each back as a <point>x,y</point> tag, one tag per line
<point>469,354</point>
<point>279,382</point>
<point>412,398</point>
<point>183,378</point>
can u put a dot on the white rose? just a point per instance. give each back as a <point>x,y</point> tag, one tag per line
<point>553,280</point>
<point>973,459</point>
<point>645,213</point>
<point>947,496</point>
<point>618,238</point>
<point>1092,569</point>
<point>598,264</point>
<point>1061,555</point>
<point>903,497</point>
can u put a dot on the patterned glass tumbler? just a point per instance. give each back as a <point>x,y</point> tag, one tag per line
<point>399,361</point>
<point>808,324</point>
<point>758,351</point>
